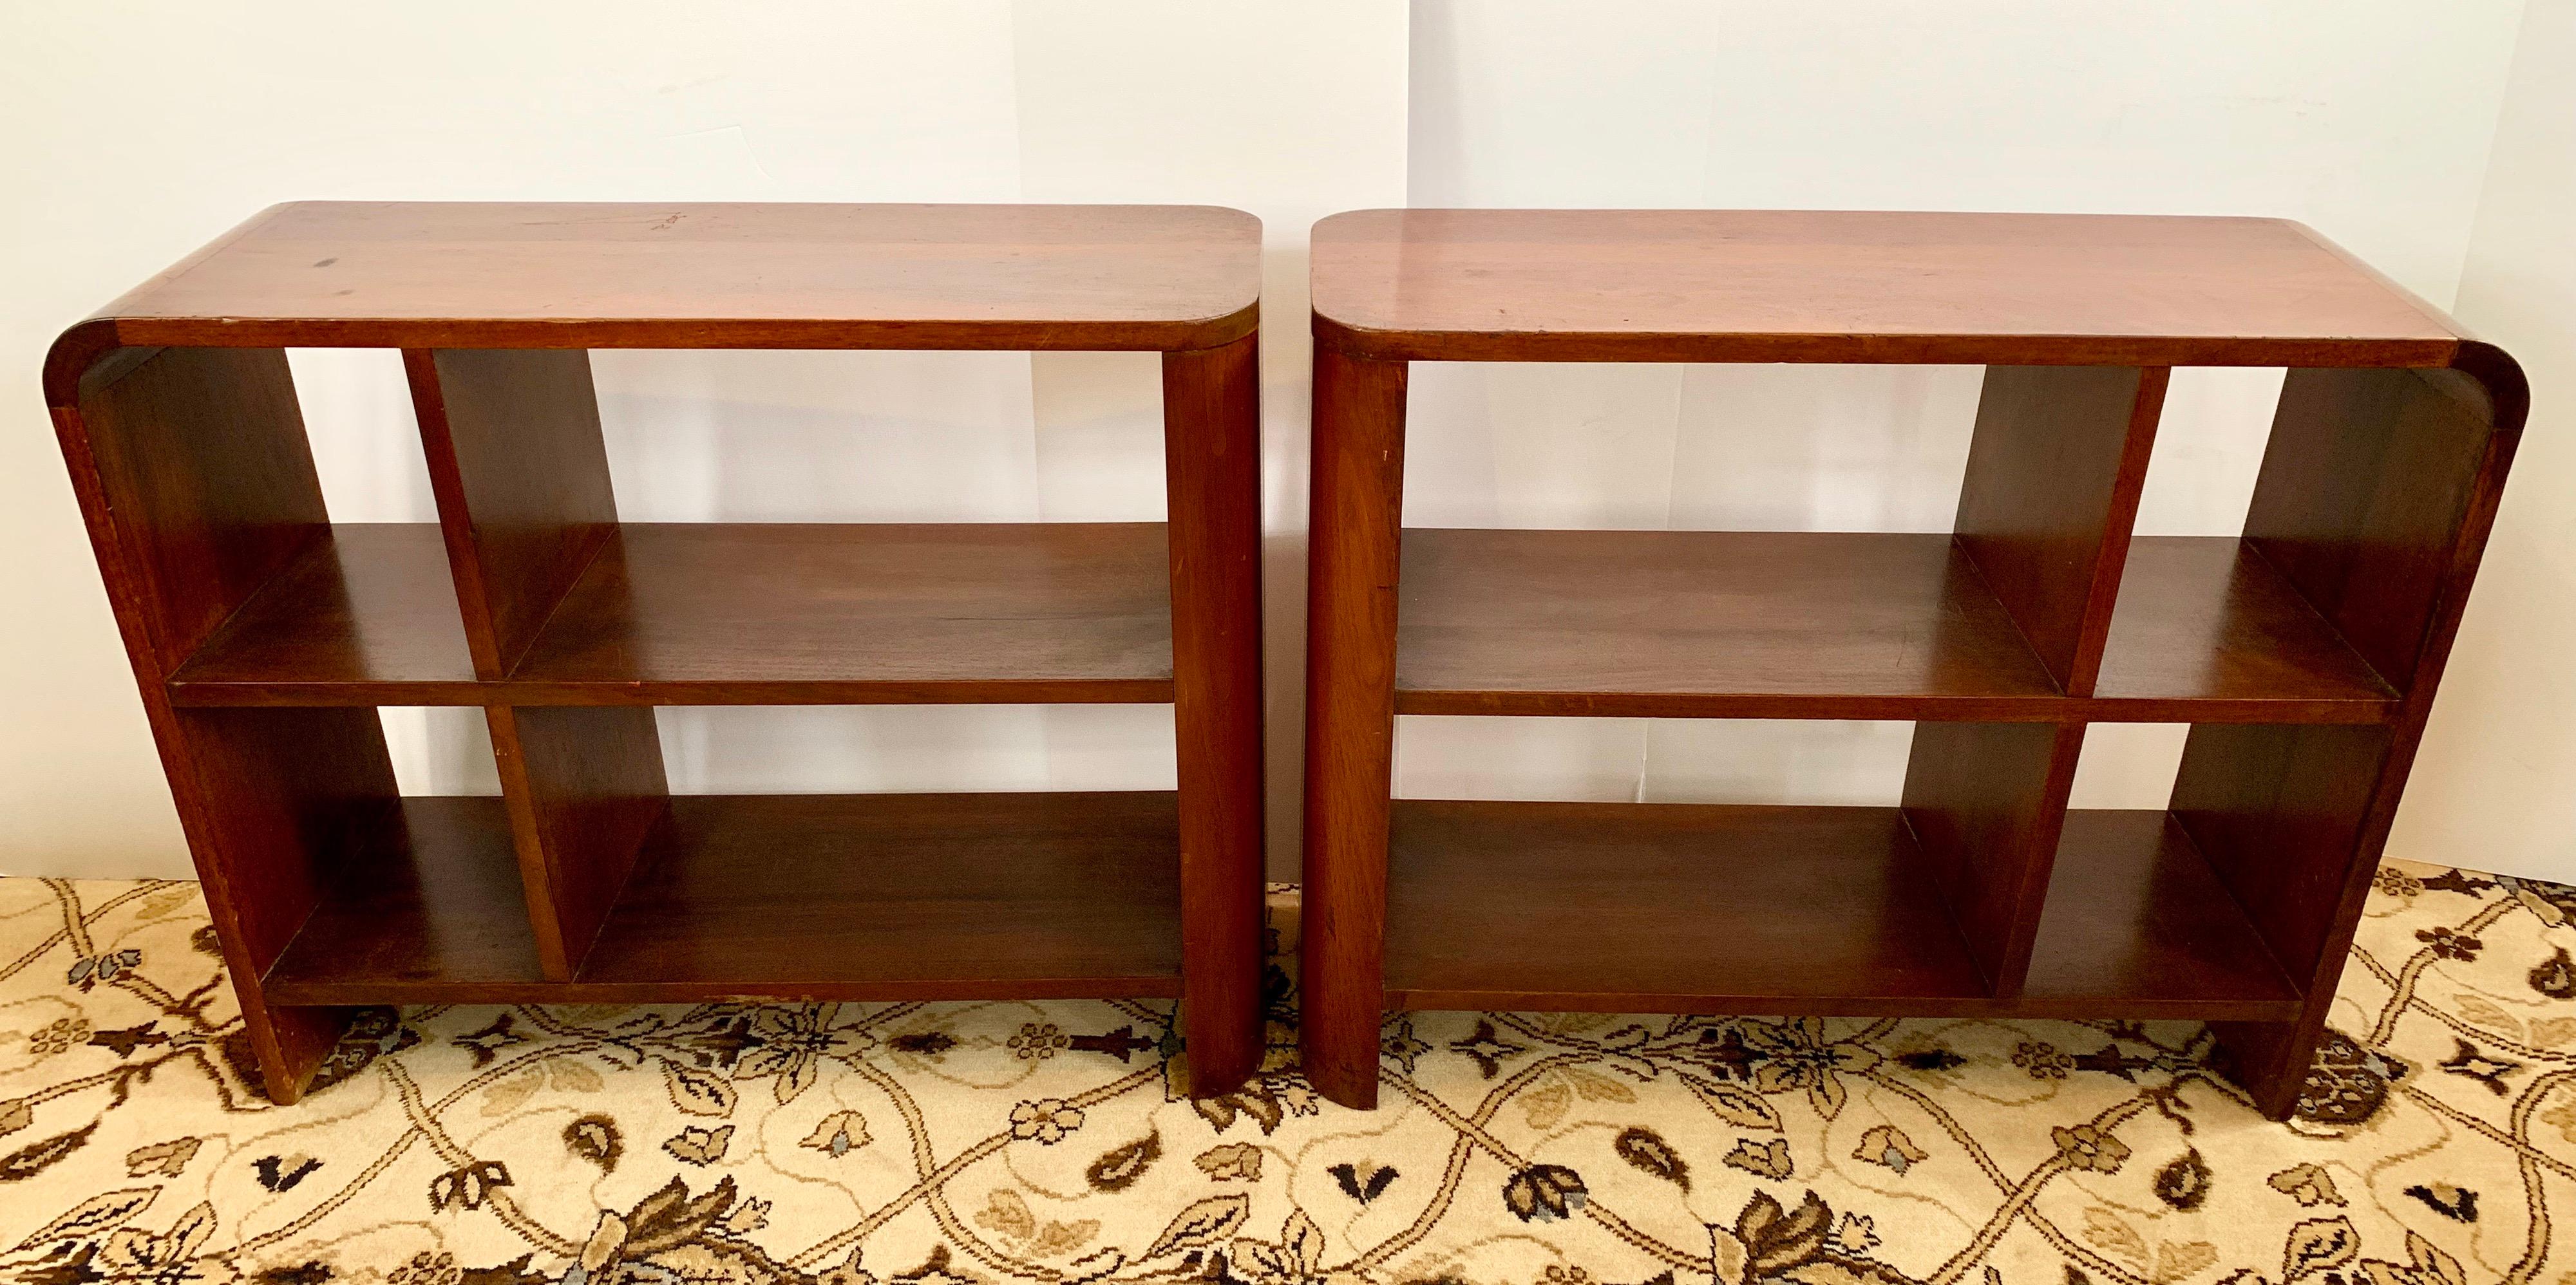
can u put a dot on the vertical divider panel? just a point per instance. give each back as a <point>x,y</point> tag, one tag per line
<point>197,485</point>
<point>2054,472</point>
<point>1987,803</point>
<point>2051,493</point>
<point>1355,534</point>
<point>1212,472</point>
<point>2377,493</point>
<point>520,471</point>
<point>584,787</point>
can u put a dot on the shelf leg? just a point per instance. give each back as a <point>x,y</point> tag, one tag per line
<point>1212,470</point>
<point>275,802</point>
<point>1350,717</point>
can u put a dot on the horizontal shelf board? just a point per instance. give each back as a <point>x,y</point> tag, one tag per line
<point>425,907</point>
<point>1651,906</point>
<point>665,275</point>
<point>726,613</point>
<point>1795,624</point>
<point>849,897</point>
<point>365,616</point>
<point>903,896</point>
<point>2204,619</point>
<point>1727,624</point>
<point>1781,910</point>
<point>811,613</point>
<point>1854,286</point>
<point>2133,910</point>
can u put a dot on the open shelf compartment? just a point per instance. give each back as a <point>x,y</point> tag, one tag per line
<point>1740,624</point>
<point>1792,910</point>
<point>722,613</point>
<point>821,896</point>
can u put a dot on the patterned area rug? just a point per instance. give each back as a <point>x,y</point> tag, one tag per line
<point>942,1143</point>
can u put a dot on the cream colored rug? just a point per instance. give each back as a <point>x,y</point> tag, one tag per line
<point>1051,1142</point>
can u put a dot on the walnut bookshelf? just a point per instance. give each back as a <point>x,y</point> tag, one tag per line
<point>2303,653</point>
<point>265,636</point>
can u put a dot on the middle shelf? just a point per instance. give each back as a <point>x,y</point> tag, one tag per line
<point>1799,624</point>
<point>723,613</point>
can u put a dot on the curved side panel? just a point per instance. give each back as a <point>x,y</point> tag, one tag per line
<point>196,484</point>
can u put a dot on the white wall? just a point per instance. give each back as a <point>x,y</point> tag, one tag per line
<point>2496,785</point>
<point>134,132</point>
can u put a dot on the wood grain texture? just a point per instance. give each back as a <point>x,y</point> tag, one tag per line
<point>2279,812</point>
<point>363,615</point>
<point>922,896</point>
<point>1720,624</point>
<point>201,455</point>
<point>2134,910</point>
<point>658,275</point>
<point>1987,802</point>
<point>2207,632</point>
<point>1212,476</point>
<point>2054,470</point>
<point>584,786</point>
<point>722,613</point>
<point>520,472</point>
<point>811,896</point>
<point>769,613</point>
<point>2364,484</point>
<point>1700,908</point>
<point>430,902</point>
<point>1352,549</point>
<point>1848,286</point>
<point>1799,624</point>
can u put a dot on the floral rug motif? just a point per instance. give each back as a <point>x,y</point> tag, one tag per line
<point>1008,1142</point>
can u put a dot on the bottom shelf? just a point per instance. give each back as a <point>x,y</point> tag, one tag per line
<point>852,897</point>
<point>1793,910</point>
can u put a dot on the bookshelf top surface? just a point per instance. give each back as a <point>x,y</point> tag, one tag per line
<point>1789,285</point>
<point>463,274</point>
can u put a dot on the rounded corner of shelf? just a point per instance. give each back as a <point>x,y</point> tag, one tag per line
<point>1206,334</point>
<point>75,352</point>
<point>2496,371</point>
<point>1340,219</point>
<point>1349,339</point>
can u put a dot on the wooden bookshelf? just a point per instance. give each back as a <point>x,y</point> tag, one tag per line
<point>265,636</point>
<point>2303,652</point>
